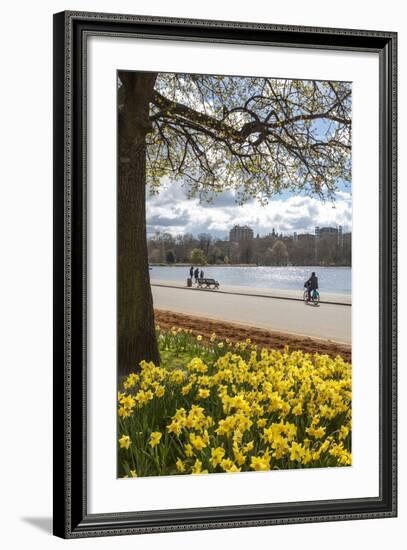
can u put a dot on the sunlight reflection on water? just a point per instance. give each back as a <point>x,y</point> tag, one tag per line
<point>331,279</point>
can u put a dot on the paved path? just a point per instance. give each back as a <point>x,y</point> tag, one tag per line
<point>328,321</point>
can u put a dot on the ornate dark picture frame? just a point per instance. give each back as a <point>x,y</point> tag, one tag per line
<point>71,518</point>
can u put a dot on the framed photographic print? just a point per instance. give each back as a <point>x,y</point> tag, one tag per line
<point>224,274</point>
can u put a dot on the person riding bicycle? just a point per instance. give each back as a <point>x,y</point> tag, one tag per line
<point>311,285</point>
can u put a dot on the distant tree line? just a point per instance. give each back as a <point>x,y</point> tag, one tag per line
<point>274,250</point>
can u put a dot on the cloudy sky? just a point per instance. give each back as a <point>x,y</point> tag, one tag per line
<point>172,212</point>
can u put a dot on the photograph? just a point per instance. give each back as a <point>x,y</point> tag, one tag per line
<point>224,273</point>
<point>234,274</point>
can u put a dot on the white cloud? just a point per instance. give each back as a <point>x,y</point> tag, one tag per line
<point>171,211</point>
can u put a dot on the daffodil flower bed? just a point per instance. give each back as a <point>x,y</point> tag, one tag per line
<point>215,406</point>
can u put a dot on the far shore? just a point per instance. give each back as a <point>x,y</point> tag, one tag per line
<point>155,264</point>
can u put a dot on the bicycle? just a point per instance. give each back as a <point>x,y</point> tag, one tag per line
<point>314,297</point>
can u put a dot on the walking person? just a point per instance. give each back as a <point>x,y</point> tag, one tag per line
<point>196,274</point>
<point>201,276</point>
<point>191,271</point>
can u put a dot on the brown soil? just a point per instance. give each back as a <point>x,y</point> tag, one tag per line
<point>262,337</point>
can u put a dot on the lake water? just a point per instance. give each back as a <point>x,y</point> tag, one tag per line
<point>331,279</point>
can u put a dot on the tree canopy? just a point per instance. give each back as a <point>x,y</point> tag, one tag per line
<point>258,136</point>
<point>198,257</point>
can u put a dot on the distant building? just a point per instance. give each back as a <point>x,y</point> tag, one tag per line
<point>241,233</point>
<point>306,237</point>
<point>329,232</point>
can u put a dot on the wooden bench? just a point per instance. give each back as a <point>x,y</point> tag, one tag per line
<point>207,283</point>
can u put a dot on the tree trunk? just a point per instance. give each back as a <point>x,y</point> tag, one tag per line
<point>136,328</point>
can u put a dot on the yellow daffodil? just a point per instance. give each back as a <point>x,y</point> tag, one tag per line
<point>125,442</point>
<point>217,455</point>
<point>155,438</point>
<point>229,467</point>
<point>123,412</point>
<point>343,432</point>
<point>188,450</point>
<point>159,391</point>
<point>197,468</point>
<point>197,442</point>
<point>175,427</point>
<point>316,432</point>
<point>260,463</point>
